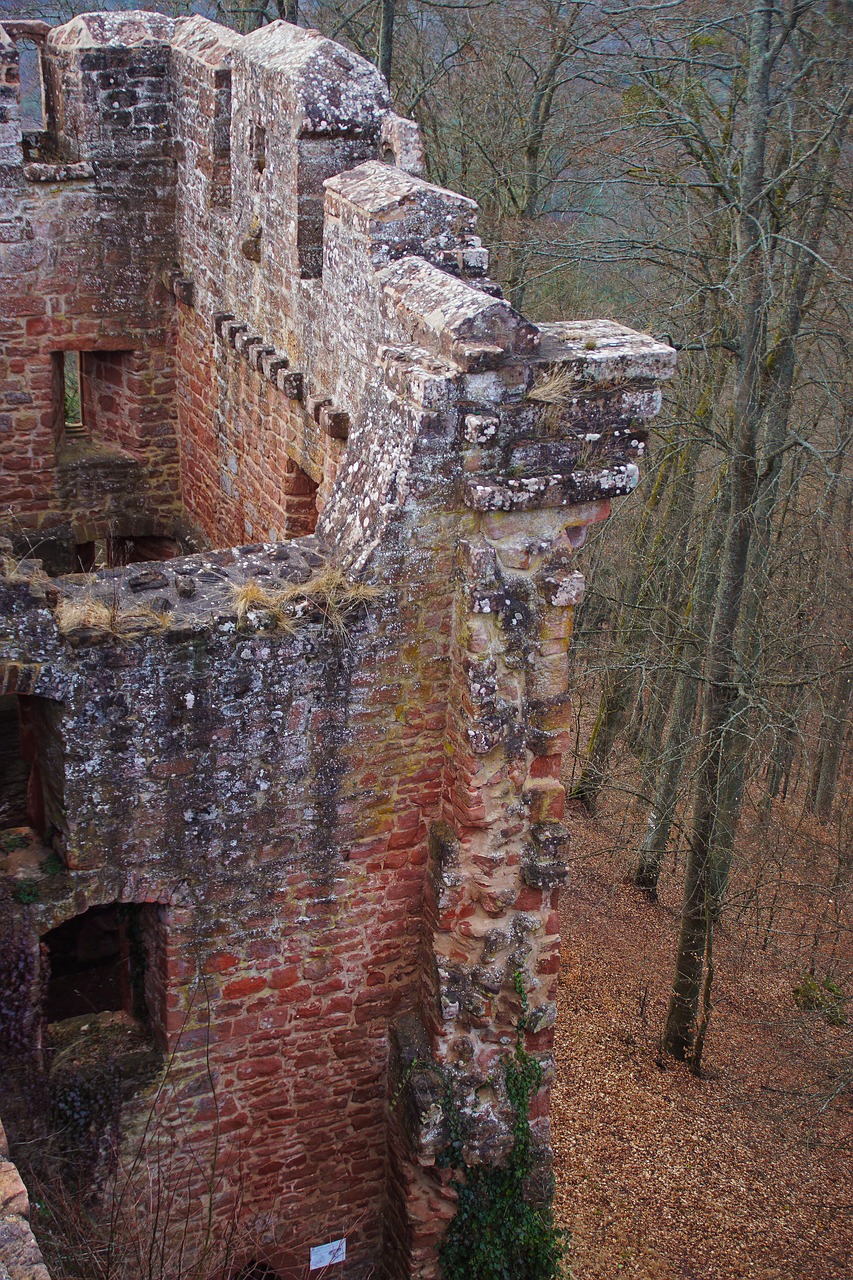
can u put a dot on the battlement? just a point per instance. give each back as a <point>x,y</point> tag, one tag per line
<point>291,497</point>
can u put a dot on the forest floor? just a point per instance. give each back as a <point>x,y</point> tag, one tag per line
<point>744,1172</point>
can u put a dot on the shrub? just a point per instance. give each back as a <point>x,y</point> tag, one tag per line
<point>496,1232</point>
<point>821,996</point>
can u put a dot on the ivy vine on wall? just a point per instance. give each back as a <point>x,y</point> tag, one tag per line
<point>496,1232</point>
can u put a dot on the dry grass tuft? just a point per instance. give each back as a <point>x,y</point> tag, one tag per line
<point>88,613</point>
<point>83,612</point>
<point>327,592</point>
<point>11,571</point>
<point>553,386</point>
<point>253,598</point>
<point>553,389</point>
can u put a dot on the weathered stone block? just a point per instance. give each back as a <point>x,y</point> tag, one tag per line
<point>13,1193</point>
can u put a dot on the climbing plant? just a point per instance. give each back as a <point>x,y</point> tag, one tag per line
<point>496,1232</point>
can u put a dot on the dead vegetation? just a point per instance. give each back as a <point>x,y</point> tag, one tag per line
<point>328,593</point>
<point>744,1171</point>
<point>89,613</point>
<point>554,385</point>
<point>553,388</point>
<point>23,570</point>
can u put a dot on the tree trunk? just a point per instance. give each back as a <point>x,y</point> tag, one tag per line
<point>833,733</point>
<point>617,698</point>
<point>676,750</point>
<point>649,862</point>
<point>782,755</point>
<point>385,52</point>
<point>707,985</point>
<point>721,686</point>
<point>620,684</point>
<point>672,557</point>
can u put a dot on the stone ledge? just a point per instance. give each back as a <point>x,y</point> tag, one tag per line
<point>80,171</point>
<point>603,351</point>
<point>530,493</point>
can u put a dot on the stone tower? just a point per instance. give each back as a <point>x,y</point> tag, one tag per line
<point>287,600</point>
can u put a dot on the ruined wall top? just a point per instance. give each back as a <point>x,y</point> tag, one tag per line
<point>266,184</point>
<point>125,30</point>
<point>323,87</point>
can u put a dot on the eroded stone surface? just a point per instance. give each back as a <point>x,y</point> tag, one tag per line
<point>342,810</point>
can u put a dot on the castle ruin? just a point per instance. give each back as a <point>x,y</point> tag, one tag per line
<point>290,500</point>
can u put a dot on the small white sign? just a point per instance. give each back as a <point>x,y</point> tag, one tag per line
<point>322,1255</point>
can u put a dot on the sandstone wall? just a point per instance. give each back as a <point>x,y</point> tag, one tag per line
<point>86,236</point>
<point>348,828</point>
<point>19,1253</point>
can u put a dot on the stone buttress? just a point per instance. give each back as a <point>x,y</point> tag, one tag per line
<point>332,813</point>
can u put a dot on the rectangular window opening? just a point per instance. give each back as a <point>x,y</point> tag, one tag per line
<point>109,959</point>
<point>72,396</point>
<point>31,771</point>
<point>33,118</point>
<point>299,493</point>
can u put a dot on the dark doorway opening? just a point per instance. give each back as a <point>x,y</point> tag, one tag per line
<point>91,969</point>
<point>116,551</point>
<point>97,964</point>
<point>14,768</point>
<point>28,734</point>
<point>257,1271</point>
<point>103,998</point>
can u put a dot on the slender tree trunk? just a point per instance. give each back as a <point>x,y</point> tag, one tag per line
<point>676,750</point>
<point>707,986</point>
<point>649,862</point>
<point>385,53</point>
<point>617,698</point>
<point>620,684</point>
<point>719,705</point>
<point>833,733</point>
<point>672,557</point>
<point>779,368</point>
<point>782,754</point>
<point>721,684</point>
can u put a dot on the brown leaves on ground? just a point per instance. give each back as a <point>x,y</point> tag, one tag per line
<point>747,1172</point>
